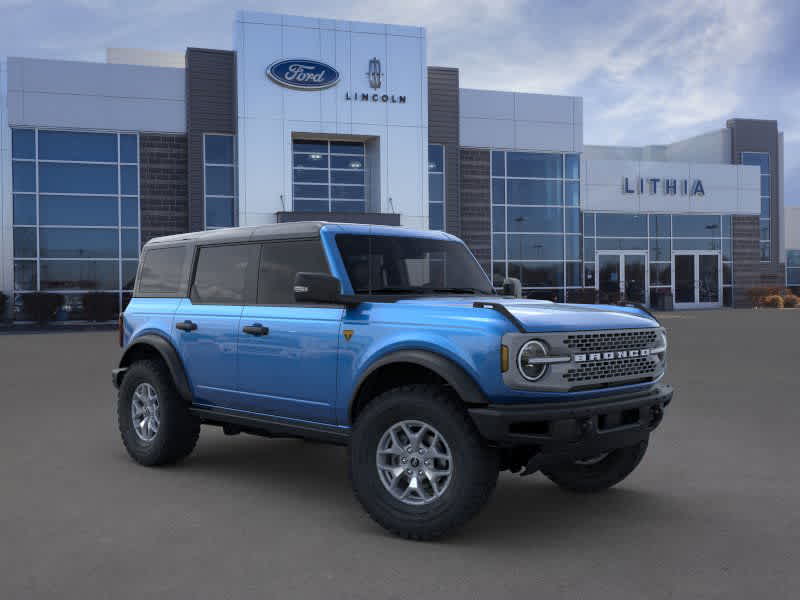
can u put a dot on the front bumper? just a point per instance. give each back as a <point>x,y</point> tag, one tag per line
<point>574,430</point>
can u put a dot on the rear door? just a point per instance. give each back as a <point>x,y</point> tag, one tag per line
<point>288,351</point>
<point>207,322</point>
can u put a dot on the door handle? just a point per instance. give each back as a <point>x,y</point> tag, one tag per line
<point>186,326</point>
<point>256,329</point>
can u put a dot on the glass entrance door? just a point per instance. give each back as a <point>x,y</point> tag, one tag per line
<point>697,279</point>
<point>622,276</point>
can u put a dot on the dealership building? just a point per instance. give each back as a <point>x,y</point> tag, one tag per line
<point>312,119</point>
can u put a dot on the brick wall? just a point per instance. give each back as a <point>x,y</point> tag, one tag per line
<point>443,128</point>
<point>163,181</point>
<point>476,219</point>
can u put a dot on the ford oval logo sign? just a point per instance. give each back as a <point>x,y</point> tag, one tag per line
<point>303,74</point>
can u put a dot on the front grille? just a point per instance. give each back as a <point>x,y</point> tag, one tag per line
<point>614,369</point>
<point>634,339</point>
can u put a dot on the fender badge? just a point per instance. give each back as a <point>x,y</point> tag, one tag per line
<point>348,333</point>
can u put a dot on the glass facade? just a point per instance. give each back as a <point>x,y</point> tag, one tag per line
<point>76,214</point>
<point>793,268</point>
<point>436,186</point>
<point>328,176</point>
<point>219,171</point>
<point>536,221</point>
<point>761,160</point>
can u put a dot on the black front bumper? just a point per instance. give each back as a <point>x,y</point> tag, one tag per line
<point>574,429</point>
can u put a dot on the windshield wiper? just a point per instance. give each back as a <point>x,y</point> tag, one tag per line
<point>392,290</point>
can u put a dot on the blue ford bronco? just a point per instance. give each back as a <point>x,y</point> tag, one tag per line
<point>394,343</point>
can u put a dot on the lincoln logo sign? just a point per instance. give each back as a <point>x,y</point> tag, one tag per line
<point>667,186</point>
<point>302,74</point>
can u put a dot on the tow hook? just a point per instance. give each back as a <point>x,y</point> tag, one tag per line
<point>585,427</point>
<point>656,414</point>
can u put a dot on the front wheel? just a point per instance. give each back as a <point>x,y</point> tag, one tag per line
<point>597,473</point>
<point>417,463</point>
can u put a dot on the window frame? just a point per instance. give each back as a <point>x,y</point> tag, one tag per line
<point>234,198</point>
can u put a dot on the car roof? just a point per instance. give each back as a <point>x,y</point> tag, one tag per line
<point>279,231</point>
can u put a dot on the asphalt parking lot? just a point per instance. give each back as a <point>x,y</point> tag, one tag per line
<point>713,511</point>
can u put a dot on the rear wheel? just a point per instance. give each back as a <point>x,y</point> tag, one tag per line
<point>597,473</point>
<point>154,421</point>
<point>417,463</point>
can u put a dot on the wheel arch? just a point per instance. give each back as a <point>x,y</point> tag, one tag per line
<point>151,345</point>
<point>421,366</point>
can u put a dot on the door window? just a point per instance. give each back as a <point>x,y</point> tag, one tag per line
<point>221,274</point>
<point>280,262</point>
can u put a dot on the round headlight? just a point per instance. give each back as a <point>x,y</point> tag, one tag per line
<point>529,367</point>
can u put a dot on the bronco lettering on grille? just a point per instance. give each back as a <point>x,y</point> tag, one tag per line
<point>610,355</point>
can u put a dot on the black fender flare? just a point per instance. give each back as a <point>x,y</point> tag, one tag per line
<point>168,354</point>
<point>453,374</point>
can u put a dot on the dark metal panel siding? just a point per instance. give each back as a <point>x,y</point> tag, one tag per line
<point>210,108</point>
<point>746,254</point>
<point>163,194</point>
<point>443,115</point>
<point>476,217</point>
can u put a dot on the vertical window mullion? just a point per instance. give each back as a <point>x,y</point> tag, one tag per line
<point>36,188</point>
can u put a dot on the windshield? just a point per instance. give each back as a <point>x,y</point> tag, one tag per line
<point>409,265</point>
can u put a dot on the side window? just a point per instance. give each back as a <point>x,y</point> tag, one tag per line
<point>163,270</point>
<point>280,262</point>
<point>221,274</point>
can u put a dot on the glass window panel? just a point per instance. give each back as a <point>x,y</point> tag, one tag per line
<point>498,191</point>
<point>129,176</point>
<point>347,148</point>
<point>499,246</point>
<point>498,218</point>
<point>311,175</point>
<point>522,191</point>
<point>588,274</point>
<point>537,219</point>
<point>347,192</point>
<point>573,166</point>
<point>766,251</point>
<point>352,206</point>
<point>219,149</point>
<point>25,275</point>
<point>280,262</point>
<point>572,191</point>
<point>498,163</point>
<point>23,143</point>
<point>622,225</point>
<point>765,207</point>
<point>727,226</point>
<point>130,243</point>
<point>695,244</point>
<point>79,275</point>
<point>77,145</point>
<point>219,212</point>
<point>129,273</point>
<point>535,247</point>
<point>498,273</point>
<point>532,164</point>
<point>435,158</point>
<point>164,270</point>
<point>765,185</point>
<point>763,228</point>
<point>661,274</point>
<point>24,209</point>
<point>77,210</point>
<point>130,212</point>
<point>542,274</point>
<point>696,225</point>
<point>727,297</point>
<point>573,274</point>
<point>793,277</point>
<point>660,249</point>
<point>23,176</point>
<point>660,226</point>
<point>77,179</point>
<point>435,187</point>
<point>588,249</point>
<point>128,148</point>
<point>793,258</point>
<point>759,159</point>
<point>347,162</point>
<point>316,161</point>
<point>219,181</point>
<point>552,295</point>
<point>60,242</point>
<point>588,224</point>
<point>310,146</point>
<point>25,242</point>
<point>220,274</point>
<point>311,205</point>
<point>727,273</point>
<point>621,243</point>
<point>572,245</point>
<point>436,216</point>
<point>572,220</point>
<point>727,249</point>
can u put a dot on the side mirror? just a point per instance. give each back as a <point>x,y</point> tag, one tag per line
<point>317,287</point>
<point>512,287</point>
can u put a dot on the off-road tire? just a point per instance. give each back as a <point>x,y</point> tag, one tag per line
<point>475,466</point>
<point>178,430</point>
<point>588,478</point>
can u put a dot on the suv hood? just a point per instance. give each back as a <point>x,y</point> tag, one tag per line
<point>542,315</point>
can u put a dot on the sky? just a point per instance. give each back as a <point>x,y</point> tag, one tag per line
<point>649,72</point>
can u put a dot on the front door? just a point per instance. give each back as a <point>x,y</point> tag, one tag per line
<point>697,279</point>
<point>622,276</point>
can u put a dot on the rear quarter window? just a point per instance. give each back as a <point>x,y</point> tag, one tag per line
<point>164,271</point>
